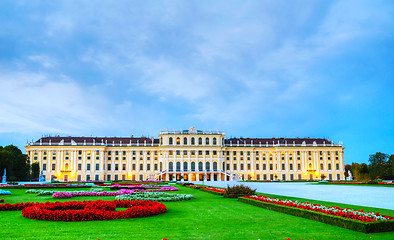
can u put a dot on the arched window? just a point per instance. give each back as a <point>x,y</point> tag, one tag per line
<point>66,167</point>
<point>200,141</point>
<point>206,141</point>
<point>193,141</point>
<point>170,166</point>
<point>178,141</point>
<point>214,141</point>
<point>215,166</point>
<point>184,141</point>
<point>170,141</point>
<point>178,166</point>
<point>200,166</point>
<point>207,166</point>
<point>185,166</point>
<point>193,167</point>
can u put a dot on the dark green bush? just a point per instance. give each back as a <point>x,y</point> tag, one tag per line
<point>238,191</point>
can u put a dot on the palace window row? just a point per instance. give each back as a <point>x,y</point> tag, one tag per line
<point>177,141</point>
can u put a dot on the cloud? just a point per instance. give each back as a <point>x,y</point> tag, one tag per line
<point>36,103</point>
<point>44,60</point>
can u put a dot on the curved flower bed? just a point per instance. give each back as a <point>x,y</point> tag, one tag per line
<point>70,194</point>
<point>5,192</point>
<point>86,210</point>
<point>155,196</point>
<point>212,189</point>
<point>336,211</point>
<point>92,210</point>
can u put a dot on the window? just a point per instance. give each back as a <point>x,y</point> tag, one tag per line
<point>309,153</point>
<point>79,166</point>
<point>88,167</point>
<point>88,177</point>
<point>227,166</point>
<point>283,166</point>
<point>109,153</point>
<point>193,141</point>
<point>249,166</point>
<point>207,152</point>
<point>215,166</point>
<point>271,167</point>
<point>170,152</point>
<point>116,167</point>
<point>264,166</point>
<point>199,152</point>
<point>116,177</point>
<point>291,167</point>
<point>124,166</point>
<point>44,166</point>
<point>200,141</point>
<point>133,166</point>
<point>329,166</point>
<point>53,166</point>
<point>321,153</point>
<point>241,153</point>
<point>67,152</point>
<point>116,153</point>
<point>124,152</point>
<point>215,152</point>
<point>108,177</point>
<point>284,177</point>
<point>283,158</point>
<point>109,167</point>
<point>265,177</point>
<point>321,166</point>
<point>184,141</point>
<point>242,166</point>
<point>337,166</point>
<point>96,177</point>
<point>155,167</point>
<point>53,158</point>
<point>299,166</point>
<point>178,152</point>
<point>170,141</point>
<point>141,166</point>
<point>208,166</point>
<point>291,177</point>
<point>214,141</point>
<point>178,141</point>
<point>330,176</point>
<point>336,153</point>
<point>257,166</point>
<point>141,152</point>
<point>206,141</point>
<point>193,166</point>
<point>97,166</point>
<point>44,158</point>
<point>134,152</point>
<point>298,153</point>
<point>193,152</point>
<point>79,178</point>
<point>148,167</point>
<point>185,166</point>
<point>298,158</point>
<point>328,152</point>
<point>338,176</point>
<point>97,152</point>
<point>235,167</point>
<point>200,168</point>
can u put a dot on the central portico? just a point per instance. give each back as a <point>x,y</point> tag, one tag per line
<point>193,155</point>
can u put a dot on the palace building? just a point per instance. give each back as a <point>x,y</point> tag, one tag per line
<point>189,155</point>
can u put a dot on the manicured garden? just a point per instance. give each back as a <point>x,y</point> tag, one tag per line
<point>205,216</point>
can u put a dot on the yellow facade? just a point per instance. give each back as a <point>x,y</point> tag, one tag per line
<point>190,155</point>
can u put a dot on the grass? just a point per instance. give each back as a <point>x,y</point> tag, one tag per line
<point>207,216</point>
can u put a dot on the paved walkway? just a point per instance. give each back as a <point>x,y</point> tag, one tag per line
<point>379,197</point>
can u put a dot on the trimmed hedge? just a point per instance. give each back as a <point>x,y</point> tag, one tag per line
<point>365,227</point>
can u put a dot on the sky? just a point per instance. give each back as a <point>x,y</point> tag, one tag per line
<point>250,68</point>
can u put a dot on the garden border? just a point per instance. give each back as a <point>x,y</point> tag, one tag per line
<point>209,191</point>
<point>365,227</point>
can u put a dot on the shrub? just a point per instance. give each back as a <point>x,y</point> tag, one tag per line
<point>238,191</point>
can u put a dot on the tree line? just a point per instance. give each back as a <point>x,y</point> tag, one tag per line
<point>16,164</point>
<point>380,167</point>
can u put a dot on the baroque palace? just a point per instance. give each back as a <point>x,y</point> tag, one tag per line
<point>191,155</point>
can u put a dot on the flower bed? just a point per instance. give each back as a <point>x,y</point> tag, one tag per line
<point>348,218</point>
<point>92,210</point>
<point>155,196</point>
<point>217,191</point>
<point>5,192</point>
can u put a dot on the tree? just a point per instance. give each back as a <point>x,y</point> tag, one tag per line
<point>17,164</point>
<point>379,165</point>
<point>35,170</point>
<point>347,168</point>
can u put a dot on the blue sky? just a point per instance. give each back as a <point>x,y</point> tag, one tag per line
<point>251,68</point>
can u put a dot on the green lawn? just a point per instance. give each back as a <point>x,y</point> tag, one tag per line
<point>207,216</point>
